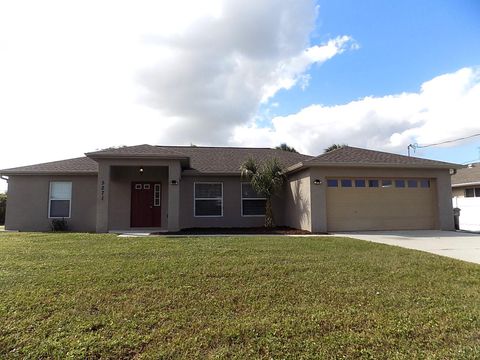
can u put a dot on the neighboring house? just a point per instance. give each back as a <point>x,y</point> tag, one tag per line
<point>168,188</point>
<point>466,196</point>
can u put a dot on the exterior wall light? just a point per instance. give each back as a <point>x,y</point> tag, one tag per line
<point>317,182</point>
<point>174,182</point>
<point>140,170</point>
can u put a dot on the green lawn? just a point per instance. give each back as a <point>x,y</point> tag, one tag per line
<point>100,296</point>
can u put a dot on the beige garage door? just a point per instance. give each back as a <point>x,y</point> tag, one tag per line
<point>380,204</point>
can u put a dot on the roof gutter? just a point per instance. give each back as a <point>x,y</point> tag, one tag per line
<point>40,173</point>
<point>294,167</point>
<point>130,156</point>
<point>466,184</point>
<point>383,165</point>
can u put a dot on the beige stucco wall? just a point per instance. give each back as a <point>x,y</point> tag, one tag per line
<point>298,200</point>
<point>27,204</point>
<point>319,199</point>
<point>444,197</point>
<point>111,190</point>
<point>460,191</point>
<point>121,178</point>
<point>300,205</point>
<point>232,216</point>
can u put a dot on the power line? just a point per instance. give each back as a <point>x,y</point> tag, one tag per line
<point>417,146</point>
<point>447,141</point>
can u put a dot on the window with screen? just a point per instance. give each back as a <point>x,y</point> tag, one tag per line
<point>472,192</point>
<point>59,204</point>
<point>208,199</point>
<point>253,204</point>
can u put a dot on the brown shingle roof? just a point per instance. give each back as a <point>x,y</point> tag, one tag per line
<point>468,175</point>
<point>357,157</point>
<point>82,165</point>
<point>228,159</point>
<point>217,160</point>
<point>137,151</point>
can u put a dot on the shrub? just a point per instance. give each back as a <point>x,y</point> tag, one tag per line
<point>3,208</point>
<point>59,225</point>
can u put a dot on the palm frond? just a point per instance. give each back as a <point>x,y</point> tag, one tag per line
<point>249,168</point>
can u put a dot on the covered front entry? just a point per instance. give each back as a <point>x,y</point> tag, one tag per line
<point>146,209</point>
<point>355,204</point>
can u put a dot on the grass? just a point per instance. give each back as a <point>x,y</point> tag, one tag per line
<point>99,296</point>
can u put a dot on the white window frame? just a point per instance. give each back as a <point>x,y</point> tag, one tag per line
<point>69,200</point>
<point>241,200</point>
<point>195,198</point>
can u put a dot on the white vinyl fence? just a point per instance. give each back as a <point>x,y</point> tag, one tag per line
<point>469,212</point>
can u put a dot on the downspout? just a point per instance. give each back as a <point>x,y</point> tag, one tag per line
<point>4,178</point>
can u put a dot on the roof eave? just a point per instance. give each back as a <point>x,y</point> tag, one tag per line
<point>130,156</point>
<point>59,173</point>
<point>375,165</point>
<point>195,172</point>
<point>466,184</point>
<point>294,167</point>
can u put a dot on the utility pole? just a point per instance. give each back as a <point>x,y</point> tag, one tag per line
<point>411,146</point>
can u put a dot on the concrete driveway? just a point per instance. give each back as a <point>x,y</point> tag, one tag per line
<point>455,244</point>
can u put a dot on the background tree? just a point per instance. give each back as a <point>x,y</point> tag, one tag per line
<point>285,147</point>
<point>333,147</point>
<point>266,179</point>
<point>3,208</point>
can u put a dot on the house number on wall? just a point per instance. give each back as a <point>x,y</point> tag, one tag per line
<point>102,189</point>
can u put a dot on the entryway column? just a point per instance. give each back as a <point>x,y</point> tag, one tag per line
<point>103,191</point>
<point>174,173</point>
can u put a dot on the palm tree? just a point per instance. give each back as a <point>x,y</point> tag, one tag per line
<point>333,147</point>
<point>266,179</point>
<point>285,147</point>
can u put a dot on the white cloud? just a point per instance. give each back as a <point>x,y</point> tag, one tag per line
<point>77,76</point>
<point>445,107</point>
<point>217,73</point>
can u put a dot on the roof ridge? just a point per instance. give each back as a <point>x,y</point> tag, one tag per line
<point>388,153</point>
<point>378,152</point>
<point>329,152</point>
<point>359,156</point>
<point>217,147</point>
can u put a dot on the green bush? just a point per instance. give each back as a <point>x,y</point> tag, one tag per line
<point>59,225</point>
<point>3,208</point>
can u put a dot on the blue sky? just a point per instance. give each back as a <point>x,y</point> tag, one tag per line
<point>402,45</point>
<point>373,74</point>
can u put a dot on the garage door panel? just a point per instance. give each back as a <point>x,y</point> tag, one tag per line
<point>350,209</point>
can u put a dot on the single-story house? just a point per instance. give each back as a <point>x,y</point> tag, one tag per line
<point>167,188</point>
<point>466,196</point>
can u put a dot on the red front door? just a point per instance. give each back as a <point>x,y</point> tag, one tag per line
<point>146,204</point>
